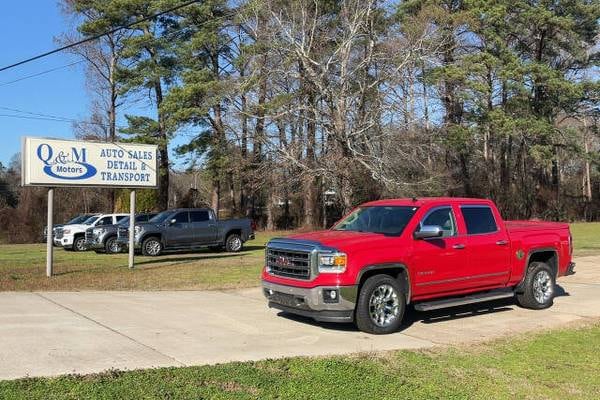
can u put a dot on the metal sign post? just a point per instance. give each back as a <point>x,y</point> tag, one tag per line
<point>131,228</point>
<point>49,233</point>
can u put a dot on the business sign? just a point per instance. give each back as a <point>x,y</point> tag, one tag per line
<point>52,162</point>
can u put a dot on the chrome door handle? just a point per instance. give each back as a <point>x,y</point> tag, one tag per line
<point>502,242</point>
<point>458,246</point>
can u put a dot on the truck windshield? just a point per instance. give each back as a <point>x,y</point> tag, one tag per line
<point>78,219</point>
<point>387,220</point>
<point>161,217</point>
<point>90,220</point>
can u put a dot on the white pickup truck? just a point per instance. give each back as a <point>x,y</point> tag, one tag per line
<point>72,237</point>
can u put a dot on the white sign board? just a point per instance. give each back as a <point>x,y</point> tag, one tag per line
<point>52,162</point>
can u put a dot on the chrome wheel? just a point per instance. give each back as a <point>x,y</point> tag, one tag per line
<point>153,247</point>
<point>384,305</point>
<point>543,287</point>
<point>235,243</point>
<point>114,246</point>
<point>79,244</point>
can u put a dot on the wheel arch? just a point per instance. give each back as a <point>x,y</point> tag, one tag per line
<point>112,235</point>
<point>548,255</point>
<point>398,271</point>
<point>153,234</point>
<point>232,231</point>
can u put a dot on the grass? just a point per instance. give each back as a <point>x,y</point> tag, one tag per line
<point>552,365</point>
<point>23,267</point>
<point>586,238</point>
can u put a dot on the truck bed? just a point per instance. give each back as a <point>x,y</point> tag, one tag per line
<point>522,226</point>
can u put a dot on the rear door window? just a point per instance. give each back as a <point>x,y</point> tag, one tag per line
<point>199,216</point>
<point>479,219</point>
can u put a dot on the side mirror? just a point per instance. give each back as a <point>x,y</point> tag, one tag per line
<point>173,221</point>
<point>428,231</point>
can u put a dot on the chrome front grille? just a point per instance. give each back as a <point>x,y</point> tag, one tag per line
<point>123,233</point>
<point>289,263</point>
<point>58,233</point>
<point>89,235</point>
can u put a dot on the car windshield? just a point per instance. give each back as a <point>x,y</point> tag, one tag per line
<point>90,220</point>
<point>161,217</point>
<point>78,219</point>
<point>387,220</point>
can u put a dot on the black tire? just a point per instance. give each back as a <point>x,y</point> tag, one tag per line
<point>233,243</point>
<point>111,246</point>
<point>79,243</point>
<point>538,287</point>
<point>368,303</point>
<point>152,246</point>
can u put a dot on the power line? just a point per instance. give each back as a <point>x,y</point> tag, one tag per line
<point>56,118</point>
<point>91,38</point>
<point>41,73</point>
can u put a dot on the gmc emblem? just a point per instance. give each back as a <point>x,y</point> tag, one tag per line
<point>284,261</point>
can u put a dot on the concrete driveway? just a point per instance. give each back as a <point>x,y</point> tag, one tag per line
<point>53,333</point>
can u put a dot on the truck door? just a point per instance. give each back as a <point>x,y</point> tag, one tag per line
<point>179,232</point>
<point>440,264</point>
<point>488,246</point>
<point>205,228</point>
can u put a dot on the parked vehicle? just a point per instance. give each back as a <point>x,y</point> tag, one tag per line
<point>75,220</point>
<point>188,229</point>
<point>433,253</point>
<point>72,236</point>
<point>103,239</point>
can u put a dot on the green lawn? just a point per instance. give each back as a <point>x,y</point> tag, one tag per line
<point>23,267</point>
<point>561,364</point>
<point>586,238</point>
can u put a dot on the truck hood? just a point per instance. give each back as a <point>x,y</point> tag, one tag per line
<point>343,240</point>
<point>147,226</point>
<point>76,227</point>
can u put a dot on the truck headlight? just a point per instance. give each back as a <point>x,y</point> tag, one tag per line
<point>99,231</point>
<point>334,263</point>
<point>67,231</point>
<point>137,230</point>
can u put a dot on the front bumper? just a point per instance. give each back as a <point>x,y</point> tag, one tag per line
<point>95,242</point>
<point>65,241</point>
<point>124,242</point>
<point>310,302</point>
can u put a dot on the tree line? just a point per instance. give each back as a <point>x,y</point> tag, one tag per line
<point>294,112</point>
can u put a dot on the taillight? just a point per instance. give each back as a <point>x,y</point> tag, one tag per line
<point>570,244</point>
<point>253,225</point>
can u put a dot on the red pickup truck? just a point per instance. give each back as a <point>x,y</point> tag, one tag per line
<point>429,252</point>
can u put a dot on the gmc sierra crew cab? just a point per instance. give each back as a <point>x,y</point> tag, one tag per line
<point>431,252</point>
<point>188,229</point>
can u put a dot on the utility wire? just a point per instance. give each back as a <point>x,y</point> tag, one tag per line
<point>41,73</point>
<point>98,36</point>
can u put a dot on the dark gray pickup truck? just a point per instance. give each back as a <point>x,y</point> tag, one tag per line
<point>188,229</point>
<point>103,239</point>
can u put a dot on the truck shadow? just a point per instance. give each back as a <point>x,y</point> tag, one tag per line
<point>412,316</point>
